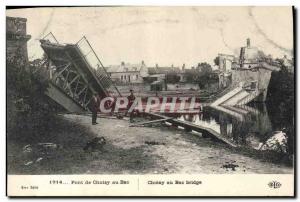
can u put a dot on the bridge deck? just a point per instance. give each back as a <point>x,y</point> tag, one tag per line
<point>191,126</point>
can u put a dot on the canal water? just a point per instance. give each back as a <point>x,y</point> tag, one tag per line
<point>257,128</point>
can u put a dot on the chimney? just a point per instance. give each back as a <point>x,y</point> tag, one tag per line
<point>156,65</point>
<point>122,63</point>
<point>248,43</point>
<point>183,67</point>
<point>143,63</point>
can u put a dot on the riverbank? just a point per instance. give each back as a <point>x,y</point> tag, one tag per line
<point>130,150</point>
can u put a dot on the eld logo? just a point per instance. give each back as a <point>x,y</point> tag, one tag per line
<point>274,184</point>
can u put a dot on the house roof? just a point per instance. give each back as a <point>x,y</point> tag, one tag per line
<point>125,67</point>
<point>191,70</point>
<point>226,55</point>
<point>163,70</point>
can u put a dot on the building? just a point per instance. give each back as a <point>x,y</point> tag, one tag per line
<point>172,74</point>
<point>225,62</point>
<point>128,73</point>
<point>249,56</point>
<point>250,78</point>
<point>163,70</point>
<point>231,67</point>
<point>252,73</point>
<point>16,38</point>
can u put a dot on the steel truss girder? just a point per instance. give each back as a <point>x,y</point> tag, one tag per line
<point>71,82</point>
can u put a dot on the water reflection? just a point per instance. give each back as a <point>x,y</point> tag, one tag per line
<point>253,131</point>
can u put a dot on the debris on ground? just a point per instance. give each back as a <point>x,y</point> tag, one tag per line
<point>41,147</point>
<point>154,143</point>
<point>27,148</point>
<point>37,152</point>
<point>278,143</point>
<point>96,143</point>
<point>39,159</point>
<point>120,116</point>
<point>48,145</point>
<point>230,165</point>
<point>28,163</point>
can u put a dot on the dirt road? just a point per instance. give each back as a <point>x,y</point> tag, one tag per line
<point>128,150</point>
<point>141,150</point>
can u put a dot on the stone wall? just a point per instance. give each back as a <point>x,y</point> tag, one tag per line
<point>16,37</point>
<point>262,76</point>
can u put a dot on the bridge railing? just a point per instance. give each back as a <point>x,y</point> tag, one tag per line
<point>88,53</point>
<point>97,66</point>
<point>51,38</point>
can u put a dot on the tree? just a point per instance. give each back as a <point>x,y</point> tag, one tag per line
<point>208,79</point>
<point>200,74</point>
<point>205,75</point>
<point>29,109</point>
<point>172,78</point>
<point>217,61</point>
<point>204,68</point>
<point>192,75</point>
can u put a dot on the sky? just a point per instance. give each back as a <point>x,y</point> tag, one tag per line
<point>162,35</point>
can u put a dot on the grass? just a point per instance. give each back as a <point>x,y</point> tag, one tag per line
<point>69,157</point>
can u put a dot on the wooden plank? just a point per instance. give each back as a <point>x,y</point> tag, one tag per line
<point>149,122</point>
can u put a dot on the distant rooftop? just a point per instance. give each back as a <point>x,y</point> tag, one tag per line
<point>163,70</point>
<point>126,67</point>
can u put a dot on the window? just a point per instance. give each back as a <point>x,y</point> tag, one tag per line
<point>136,77</point>
<point>121,77</point>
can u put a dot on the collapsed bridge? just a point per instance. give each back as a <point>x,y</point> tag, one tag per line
<point>75,73</point>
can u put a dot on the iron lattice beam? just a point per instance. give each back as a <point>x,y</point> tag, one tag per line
<point>77,72</point>
<point>70,81</point>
